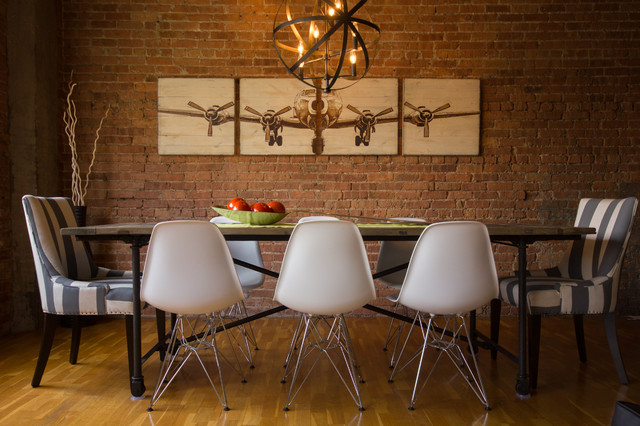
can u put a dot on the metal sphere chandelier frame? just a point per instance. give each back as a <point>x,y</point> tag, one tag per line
<point>315,39</point>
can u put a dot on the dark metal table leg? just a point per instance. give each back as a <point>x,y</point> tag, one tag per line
<point>522,384</point>
<point>137,381</point>
<point>473,337</point>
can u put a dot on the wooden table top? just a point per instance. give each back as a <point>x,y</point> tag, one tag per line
<point>369,231</point>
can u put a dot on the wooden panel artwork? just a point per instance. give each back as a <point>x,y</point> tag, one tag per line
<point>367,121</point>
<point>441,117</point>
<point>282,116</point>
<point>276,117</point>
<point>196,116</point>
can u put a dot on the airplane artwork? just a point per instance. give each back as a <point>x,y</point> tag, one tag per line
<point>422,116</point>
<point>441,117</point>
<point>308,112</point>
<point>194,116</point>
<point>214,115</point>
<point>317,118</point>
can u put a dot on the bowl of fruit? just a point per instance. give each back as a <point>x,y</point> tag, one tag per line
<point>259,213</point>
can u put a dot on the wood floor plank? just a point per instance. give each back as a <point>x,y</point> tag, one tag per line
<point>96,391</point>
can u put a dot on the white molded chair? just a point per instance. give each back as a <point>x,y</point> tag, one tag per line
<point>316,218</point>
<point>325,273</point>
<point>190,272</point>
<point>451,272</point>
<point>392,254</point>
<point>296,334</point>
<point>246,251</point>
<point>585,281</point>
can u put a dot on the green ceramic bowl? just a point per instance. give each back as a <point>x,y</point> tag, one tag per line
<point>251,218</point>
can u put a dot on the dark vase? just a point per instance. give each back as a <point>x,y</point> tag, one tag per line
<point>81,215</point>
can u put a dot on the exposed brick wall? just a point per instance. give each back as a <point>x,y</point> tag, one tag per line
<point>560,89</point>
<point>5,185</point>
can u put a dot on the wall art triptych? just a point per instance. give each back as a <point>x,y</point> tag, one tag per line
<point>282,116</point>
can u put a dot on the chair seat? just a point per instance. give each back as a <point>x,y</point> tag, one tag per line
<point>94,297</point>
<point>557,295</point>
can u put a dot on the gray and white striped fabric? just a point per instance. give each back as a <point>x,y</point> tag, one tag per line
<point>586,280</point>
<point>69,281</point>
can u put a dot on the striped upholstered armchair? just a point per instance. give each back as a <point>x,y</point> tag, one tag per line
<point>585,282</point>
<point>69,281</point>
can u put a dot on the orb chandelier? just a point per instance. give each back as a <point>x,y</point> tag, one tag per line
<point>324,43</point>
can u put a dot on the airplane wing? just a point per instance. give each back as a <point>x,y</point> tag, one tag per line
<point>454,114</point>
<point>285,122</point>
<point>447,115</point>
<point>350,123</point>
<point>294,123</point>
<point>180,112</point>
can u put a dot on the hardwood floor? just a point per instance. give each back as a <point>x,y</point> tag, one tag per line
<point>95,391</point>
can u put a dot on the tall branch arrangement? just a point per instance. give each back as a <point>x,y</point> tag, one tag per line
<point>78,191</point>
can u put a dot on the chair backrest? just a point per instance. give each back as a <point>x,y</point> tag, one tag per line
<point>451,270</point>
<point>325,269</point>
<point>189,270</point>
<point>394,253</point>
<point>247,251</point>
<point>600,254</point>
<point>316,218</point>
<point>53,254</point>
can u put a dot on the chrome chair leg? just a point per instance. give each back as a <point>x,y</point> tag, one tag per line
<point>293,345</point>
<point>444,344</point>
<point>185,345</point>
<point>395,334</point>
<point>250,335</point>
<point>313,339</point>
<point>247,339</point>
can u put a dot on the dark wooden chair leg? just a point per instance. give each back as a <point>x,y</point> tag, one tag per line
<point>578,325</point>
<point>535,322</point>
<point>129,330</point>
<point>50,324</point>
<point>496,306</point>
<point>76,332</point>
<point>161,328</point>
<point>612,338</point>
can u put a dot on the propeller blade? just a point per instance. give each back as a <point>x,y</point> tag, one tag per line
<point>267,133</point>
<point>407,104</point>
<point>426,130</point>
<point>196,106</point>
<point>354,109</point>
<point>210,131</point>
<point>252,111</point>
<point>225,106</point>
<point>440,108</point>
<point>383,112</point>
<point>282,111</point>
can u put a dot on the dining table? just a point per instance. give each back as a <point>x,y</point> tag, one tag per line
<point>519,236</point>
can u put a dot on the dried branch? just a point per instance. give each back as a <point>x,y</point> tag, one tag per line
<point>93,153</point>
<point>78,191</point>
<point>70,120</point>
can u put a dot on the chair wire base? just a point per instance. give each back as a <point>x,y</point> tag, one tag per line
<point>443,343</point>
<point>190,336</point>
<point>320,335</point>
<point>248,338</point>
<point>395,333</point>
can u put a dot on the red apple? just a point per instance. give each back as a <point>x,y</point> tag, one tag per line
<point>277,207</point>
<point>261,207</point>
<point>238,204</point>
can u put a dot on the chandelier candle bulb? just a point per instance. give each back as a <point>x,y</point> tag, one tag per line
<point>352,59</point>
